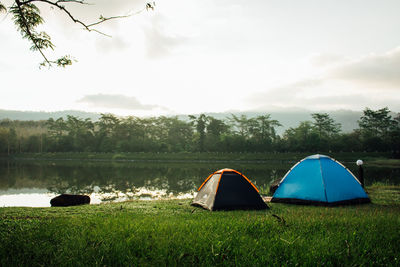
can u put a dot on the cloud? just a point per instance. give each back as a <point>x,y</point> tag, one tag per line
<point>159,42</point>
<point>347,84</point>
<point>326,59</point>
<point>116,102</point>
<point>323,94</point>
<point>107,45</point>
<point>379,70</point>
<point>285,93</point>
<point>350,101</point>
<point>290,97</point>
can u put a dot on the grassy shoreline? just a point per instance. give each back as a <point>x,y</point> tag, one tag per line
<point>171,232</point>
<point>376,158</point>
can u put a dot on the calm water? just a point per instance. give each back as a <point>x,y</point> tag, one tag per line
<point>34,183</point>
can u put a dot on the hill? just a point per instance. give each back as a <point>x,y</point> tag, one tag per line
<point>43,115</point>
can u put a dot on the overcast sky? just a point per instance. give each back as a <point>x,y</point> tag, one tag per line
<point>192,56</point>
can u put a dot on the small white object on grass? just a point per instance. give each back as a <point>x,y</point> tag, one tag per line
<point>359,162</point>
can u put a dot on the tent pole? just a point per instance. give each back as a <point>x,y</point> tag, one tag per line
<point>361,175</point>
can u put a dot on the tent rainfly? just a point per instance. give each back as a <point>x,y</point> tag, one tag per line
<point>320,180</point>
<point>228,189</point>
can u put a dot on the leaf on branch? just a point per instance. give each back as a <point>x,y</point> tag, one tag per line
<point>64,61</point>
<point>150,6</point>
<point>61,62</point>
<point>26,18</point>
<point>42,41</point>
<point>3,8</point>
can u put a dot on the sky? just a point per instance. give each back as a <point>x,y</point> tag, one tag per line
<point>195,56</point>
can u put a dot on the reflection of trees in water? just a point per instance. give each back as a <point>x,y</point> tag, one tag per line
<point>6,178</point>
<point>16,175</point>
<point>61,177</point>
<point>131,180</point>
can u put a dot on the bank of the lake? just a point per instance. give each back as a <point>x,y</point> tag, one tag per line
<point>378,157</point>
<point>171,232</point>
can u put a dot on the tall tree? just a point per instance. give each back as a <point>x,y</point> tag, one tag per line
<point>215,130</point>
<point>216,127</point>
<point>325,125</point>
<point>375,127</point>
<point>376,123</point>
<point>263,128</point>
<point>81,133</point>
<point>107,129</point>
<point>395,136</point>
<point>177,134</point>
<point>240,124</point>
<point>3,140</point>
<point>12,141</point>
<point>57,129</point>
<point>200,124</point>
<point>302,138</point>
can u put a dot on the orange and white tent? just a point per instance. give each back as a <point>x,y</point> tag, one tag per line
<point>228,189</point>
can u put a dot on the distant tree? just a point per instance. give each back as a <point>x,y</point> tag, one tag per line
<point>12,141</point>
<point>240,125</point>
<point>177,134</point>
<point>302,138</point>
<point>348,142</point>
<point>375,127</point>
<point>325,125</point>
<point>33,144</point>
<point>327,130</point>
<point>240,136</point>
<point>153,134</point>
<point>395,136</point>
<point>200,124</point>
<point>107,130</point>
<point>215,130</point>
<point>263,128</point>
<point>26,16</point>
<point>56,128</point>
<point>81,133</point>
<point>3,140</point>
<point>216,127</point>
<point>376,123</point>
<point>169,134</point>
<point>131,134</point>
<point>261,132</point>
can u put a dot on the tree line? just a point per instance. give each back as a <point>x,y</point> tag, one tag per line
<point>378,131</point>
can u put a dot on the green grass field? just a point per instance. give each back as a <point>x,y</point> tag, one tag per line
<point>173,233</point>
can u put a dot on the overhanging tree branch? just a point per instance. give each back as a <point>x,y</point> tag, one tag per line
<point>19,14</point>
<point>66,11</point>
<point>27,18</point>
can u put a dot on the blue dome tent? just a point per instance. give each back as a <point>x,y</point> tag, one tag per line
<point>320,180</point>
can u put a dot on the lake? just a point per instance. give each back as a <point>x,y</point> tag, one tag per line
<point>33,183</point>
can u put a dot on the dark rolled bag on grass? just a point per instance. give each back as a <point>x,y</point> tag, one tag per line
<point>66,200</point>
